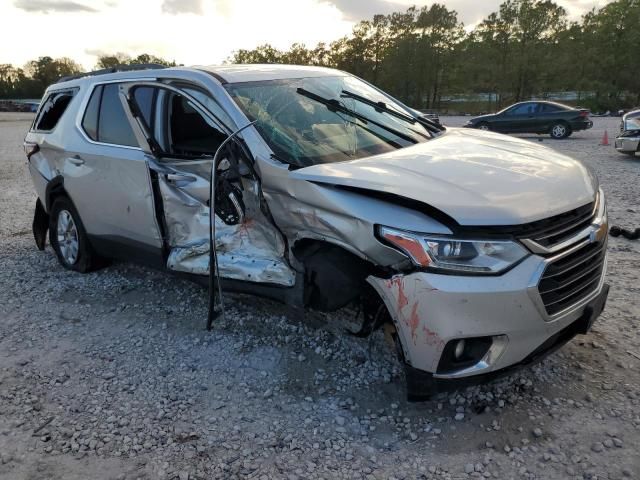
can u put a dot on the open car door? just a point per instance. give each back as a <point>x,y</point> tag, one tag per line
<point>180,133</point>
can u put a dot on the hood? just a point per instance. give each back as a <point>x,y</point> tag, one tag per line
<point>475,177</point>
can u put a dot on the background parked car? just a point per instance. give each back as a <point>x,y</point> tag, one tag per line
<point>628,141</point>
<point>556,119</point>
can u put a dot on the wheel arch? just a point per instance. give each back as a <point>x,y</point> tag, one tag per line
<point>54,189</point>
<point>334,275</point>
<point>560,121</point>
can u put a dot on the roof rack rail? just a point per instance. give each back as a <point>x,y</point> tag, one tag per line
<point>117,68</point>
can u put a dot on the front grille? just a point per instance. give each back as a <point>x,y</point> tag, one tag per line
<point>547,232</point>
<point>564,226</point>
<point>570,279</point>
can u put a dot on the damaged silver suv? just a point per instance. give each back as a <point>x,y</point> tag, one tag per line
<point>481,251</point>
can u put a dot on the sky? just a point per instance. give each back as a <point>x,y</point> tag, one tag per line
<point>197,32</point>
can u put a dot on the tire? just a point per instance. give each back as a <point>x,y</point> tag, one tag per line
<point>69,238</point>
<point>483,126</point>
<point>560,130</point>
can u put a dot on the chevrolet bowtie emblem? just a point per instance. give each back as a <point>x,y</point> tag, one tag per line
<point>599,233</point>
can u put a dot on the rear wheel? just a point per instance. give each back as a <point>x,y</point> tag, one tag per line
<point>560,130</point>
<point>68,237</point>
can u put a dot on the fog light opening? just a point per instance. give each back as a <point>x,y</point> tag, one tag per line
<point>461,353</point>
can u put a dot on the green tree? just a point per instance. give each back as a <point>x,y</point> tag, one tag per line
<point>517,45</point>
<point>525,48</point>
<point>439,37</point>
<point>110,61</point>
<point>261,54</point>
<point>298,54</point>
<point>145,58</point>
<point>613,40</point>
<point>47,70</point>
<point>116,59</point>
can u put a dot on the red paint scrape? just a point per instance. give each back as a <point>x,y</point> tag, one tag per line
<point>432,338</point>
<point>402,299</point>
<point>414,321</point>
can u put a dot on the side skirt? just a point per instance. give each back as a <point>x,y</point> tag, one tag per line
<point>136,252</point>
<point>125,249</point>
<point>292,296</point>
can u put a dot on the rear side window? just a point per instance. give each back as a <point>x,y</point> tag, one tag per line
<point>548,108</point>
<point>90,119</point>
<point>104,118</point>
<point>113,126</point>
<point>52,110</point>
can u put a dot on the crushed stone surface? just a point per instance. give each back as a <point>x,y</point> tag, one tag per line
<point>112,375</point>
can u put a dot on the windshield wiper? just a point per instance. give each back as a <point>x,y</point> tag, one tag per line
<point>383,107</point>
<point>335,106</point>
<point>380,107</point>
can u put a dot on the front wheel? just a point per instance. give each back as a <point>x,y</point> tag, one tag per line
<point>483,126</point>
<point>560,130</point>
<point>68,237</point>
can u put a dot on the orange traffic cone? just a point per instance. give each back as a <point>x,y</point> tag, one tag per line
<point>605,139</point>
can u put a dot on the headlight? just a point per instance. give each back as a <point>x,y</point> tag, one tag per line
<point>456,255</point>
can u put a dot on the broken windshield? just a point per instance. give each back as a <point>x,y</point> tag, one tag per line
<point>309,121</point>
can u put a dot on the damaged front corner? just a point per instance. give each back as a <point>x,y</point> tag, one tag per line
<point>407,299</point>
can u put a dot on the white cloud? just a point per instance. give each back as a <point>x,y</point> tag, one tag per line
<point>175,7</point>
<point>49,6</point>
<point>356,10</point>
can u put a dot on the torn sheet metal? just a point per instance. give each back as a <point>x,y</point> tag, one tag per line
<point>249,251</point>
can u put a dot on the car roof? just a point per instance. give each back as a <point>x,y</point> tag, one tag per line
<point>260,72</point>
<point>557,104</point>
<point>547,102</point>
<point>224,73</point>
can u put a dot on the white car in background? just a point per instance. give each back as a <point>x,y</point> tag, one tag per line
<point>628,141</point>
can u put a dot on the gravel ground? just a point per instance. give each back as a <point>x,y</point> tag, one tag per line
<point>111,375</point>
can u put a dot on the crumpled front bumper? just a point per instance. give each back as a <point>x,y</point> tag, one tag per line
<point>429,310</point>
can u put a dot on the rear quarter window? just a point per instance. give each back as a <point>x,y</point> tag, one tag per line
<point>52,109</point>
<point>548,108</point>
<point>113,125</point>
<point>90,118</point>
<point>104,119</point>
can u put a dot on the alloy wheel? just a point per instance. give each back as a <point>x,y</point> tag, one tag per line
<point>559,131</point>
<point>68,241</point>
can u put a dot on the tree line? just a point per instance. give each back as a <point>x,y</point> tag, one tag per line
<point>528,48</point>
<point>31,80</point>
<point>426,58</point>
